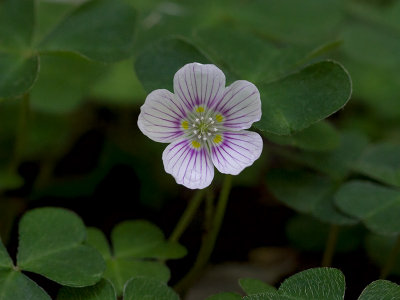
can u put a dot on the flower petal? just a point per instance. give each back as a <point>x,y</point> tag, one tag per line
<point>161,116</point>
<point>233,151</point>
<point>240,105</point>
<point>196,84</point>
<point>189,163</point>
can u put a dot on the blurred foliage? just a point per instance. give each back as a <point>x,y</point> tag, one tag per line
<point>86,73</point>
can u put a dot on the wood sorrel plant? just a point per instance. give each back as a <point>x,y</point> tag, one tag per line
<point>55,56</point>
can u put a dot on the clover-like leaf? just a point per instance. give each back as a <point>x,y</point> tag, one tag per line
<point>372,44</point>
<point>5,259</point>
<point>19,65</point>
<point>225,296</point>
<point>141,239</point>
<point>51,245</point>
<point>378,207</point>
<point>336,163</point>
<point>146,288</point>
<point>255,286</point>
<point>15,285</point>
<point>308,193</point>
<point>326,283</point>
<point>106,39</point>
<point>295,102</point>
<point>18,73</point>
<point>381,162</point>
<point>52,93</point>
<point>299,25</point>
<point>103,290</point>
<point>157,65</point>
<point>137,250</point>
<point>312,284</point>
<point>382,290</point>
<point>321,136</point>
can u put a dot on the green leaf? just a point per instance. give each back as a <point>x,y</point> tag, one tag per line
<point>141,239</point>
<point>336,163</point>
<point>16,24</point>
<point>97,239</point>
<point>225,296</point>
<point>108,38</point>
<point>15,285</point>
<point>312,284</point>
<point>18,64</point>
<point>149,289</point>
<point>51,245</point>
<point>268,61</point>
<point>325,283</point>
<point>119,85</point>
<point>308,234</point>
<point>382,290</point>
<point>120,270</point>
<point>303,98</point>
<point>18,73</point>
<point>321,136</point>
<point>308,193</point>
<point>372,44</point>
<point>103,290</point>
<point>379,247</point>
<point>255,286</point>
<point>158,63</point>
<point>5,259</point>
<point>289,20</point>
<point>378,207</point>
<point>64,80</point>
<point>138,250</point>
<point>381,162</point>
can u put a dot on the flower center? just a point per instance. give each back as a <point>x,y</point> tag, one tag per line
<point>204,128</point>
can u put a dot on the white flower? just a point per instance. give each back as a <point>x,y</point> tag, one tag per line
<point>204,121</point>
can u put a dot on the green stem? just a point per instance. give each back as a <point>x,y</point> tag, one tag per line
<point>21,132</point>
<point>330,245</point>
<point>210,238</point>
<point>187,216</point>
<point>391,259</point>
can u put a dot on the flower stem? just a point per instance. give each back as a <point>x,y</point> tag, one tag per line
<point>187,216</point>
<point>330,245</point>
<point>210,237</point>
<point>391,259</point>
<point>21,132</point>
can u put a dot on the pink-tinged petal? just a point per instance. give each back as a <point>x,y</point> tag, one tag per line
<point>199,85</point>
<point>233,151</point>
<point>161,116</point>
<point>240,106</point>
<point>190,165</point>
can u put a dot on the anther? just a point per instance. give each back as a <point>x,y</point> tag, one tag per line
<point>204,138</point>
<point>197,120</point>
<point>209,133</point>
<point>202,118</point>
<point>199,136</point>
<point>215,129</point>
<point>195,131</point>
